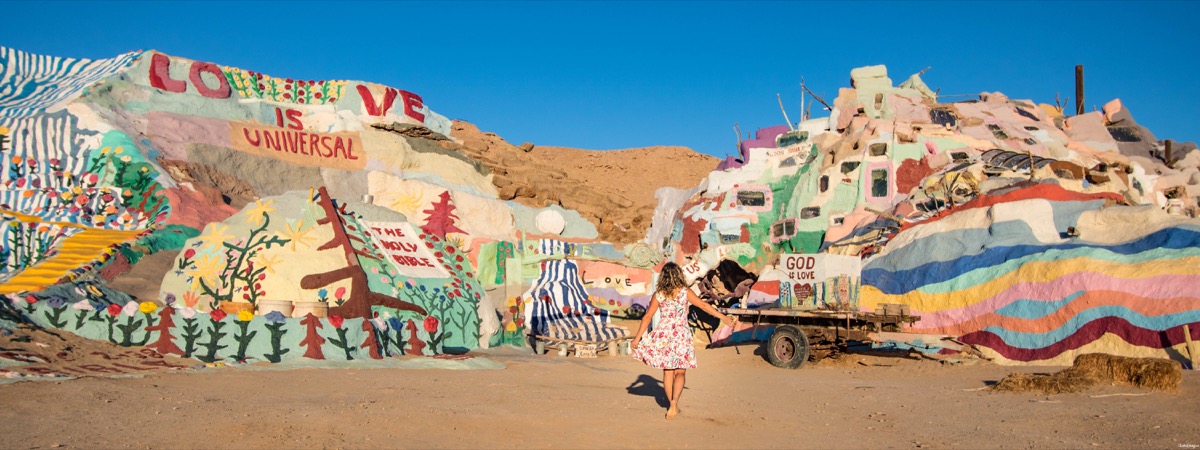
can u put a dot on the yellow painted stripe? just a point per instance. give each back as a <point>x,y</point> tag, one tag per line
<point>75,251</point>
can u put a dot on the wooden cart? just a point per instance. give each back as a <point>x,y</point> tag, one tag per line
<point>804,334</point>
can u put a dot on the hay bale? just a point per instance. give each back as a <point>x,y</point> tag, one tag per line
<point>1152,373</point>
<point>1095,368</point>
<point>1063,382</point>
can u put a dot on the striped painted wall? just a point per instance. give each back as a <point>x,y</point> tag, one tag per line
<point>31,83</point>
<point>1022,300</point>
<point>559,298</point>
<point>51,151</point>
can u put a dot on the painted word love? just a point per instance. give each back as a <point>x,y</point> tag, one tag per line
<point>160,77</point>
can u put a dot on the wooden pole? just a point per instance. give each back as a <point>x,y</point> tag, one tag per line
<point>1079,89</point>
<point>1167,154</point>
<point>1191,348</point>
<point>784,111</point>
<point>815,96</point>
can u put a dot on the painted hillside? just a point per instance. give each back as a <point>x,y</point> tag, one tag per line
<point>1033,235</point>
<point>253,217</point>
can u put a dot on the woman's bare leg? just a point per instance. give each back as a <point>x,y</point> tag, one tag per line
<point>669,384</point>
<point>680,377</point>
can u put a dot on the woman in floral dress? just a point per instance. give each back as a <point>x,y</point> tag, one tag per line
<point>669,346</point>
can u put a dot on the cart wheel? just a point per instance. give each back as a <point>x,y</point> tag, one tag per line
<point>787,348</point>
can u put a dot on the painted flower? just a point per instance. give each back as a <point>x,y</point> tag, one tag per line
<point>190,299</point>
<point>218,314</point>
<point>336,320</point>
<point>260,209</point>
<point>83,305</point>
<point>380,323</point>
<point>395,323</point>
<point>56,302</point>
<point>275,317</point>
<point>147,307</point>
<point>216,236</point>
<point>431,324</point>
<point>169,299</point>
<point>339,293</point>
<point>268,262</point>
<point>297,235</point>
<point>131,308</point>
<point>189,253</point>
<point>187,312</point>
<point>206,269</point>
<point>30,299</point>
<point>245,315</point>
<point>322,293</point>
<point>114,309</point>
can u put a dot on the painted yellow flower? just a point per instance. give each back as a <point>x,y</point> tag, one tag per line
<point>267,262</point>
<point>147,307</point>
<point>407,203</point>
<point>246,315</point>
<point>216,236</point>
<point>3,129</point>
<point>297,235</point>
<point>260,209</point>
<point>207,269</point>
<point>118,150</point>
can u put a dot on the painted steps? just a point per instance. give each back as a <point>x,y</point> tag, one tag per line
<point>77,250</point>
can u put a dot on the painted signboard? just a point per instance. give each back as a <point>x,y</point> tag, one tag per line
<point>405,250</point>
<point>819,280</point>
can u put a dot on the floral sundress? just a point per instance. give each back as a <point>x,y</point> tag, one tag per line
<point>669,345</point>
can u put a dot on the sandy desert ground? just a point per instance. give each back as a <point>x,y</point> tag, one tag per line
<point>734,399</point>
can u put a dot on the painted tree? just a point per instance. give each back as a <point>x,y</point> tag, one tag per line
<point>415,344</point>
<point>164,344</point>
<point>361,298</point>
<point>312,339</point>
<point>371,342</point>
<point>441,217</point>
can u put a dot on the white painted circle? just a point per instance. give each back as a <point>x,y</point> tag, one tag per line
<point>550,222</point>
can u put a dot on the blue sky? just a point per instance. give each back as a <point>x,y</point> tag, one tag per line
<point>608,75</point>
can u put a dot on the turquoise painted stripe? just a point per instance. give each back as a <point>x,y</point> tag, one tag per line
<point>1035,309</point>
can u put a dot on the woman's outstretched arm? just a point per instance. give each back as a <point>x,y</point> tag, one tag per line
<point>708,308</point>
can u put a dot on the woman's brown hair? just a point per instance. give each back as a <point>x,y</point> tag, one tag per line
<point>670,279</point>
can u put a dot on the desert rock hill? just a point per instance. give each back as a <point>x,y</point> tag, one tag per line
<point>613,189</point>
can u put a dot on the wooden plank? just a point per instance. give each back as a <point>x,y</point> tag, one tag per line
<point>939,340</point>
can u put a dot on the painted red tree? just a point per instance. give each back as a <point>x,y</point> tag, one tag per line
<point>415,345</point>
<point>312,339</point>
<point>441,217</point>
<point>164,344</point>
<point>361,298</point>
<point>371,343</point>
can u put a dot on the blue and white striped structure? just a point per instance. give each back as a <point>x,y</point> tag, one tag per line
<point>557,288</point>
<point>30,84</point>
<point>552,247</point>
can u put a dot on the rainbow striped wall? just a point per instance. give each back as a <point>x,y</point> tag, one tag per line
<point>1023,300</point>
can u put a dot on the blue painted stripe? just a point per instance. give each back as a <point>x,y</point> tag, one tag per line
<point>1035,309</point>
<point>943,276</point>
